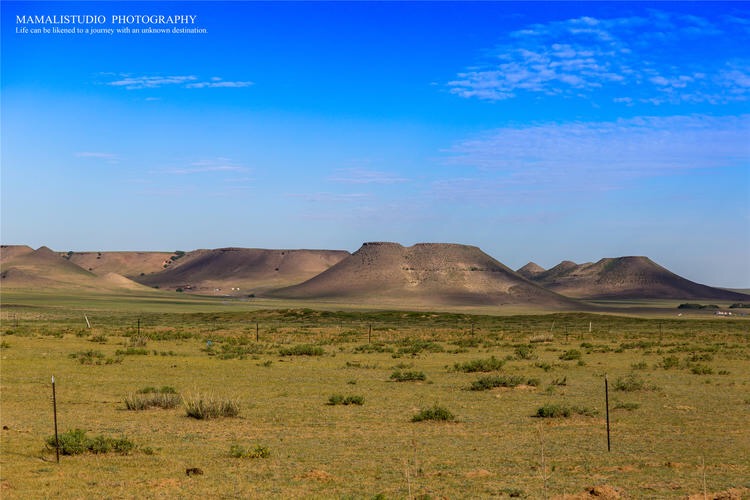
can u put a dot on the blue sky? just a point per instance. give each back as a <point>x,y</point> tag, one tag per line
<point>537,131</point>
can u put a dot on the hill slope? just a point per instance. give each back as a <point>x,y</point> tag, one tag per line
<point>44,269</point>
<point>626,278</point>
<point>246,269</point>
<point>424,274</point>
<point>530,270</point>
<point>129,264</point>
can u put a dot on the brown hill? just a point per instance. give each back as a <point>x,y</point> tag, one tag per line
<point>130,264</point>
<point>242,270</point>
<point>626,278</point>
<point>8,252</point>
<point>44,269</point>
<point>530,270</point>
<point>424,274</point>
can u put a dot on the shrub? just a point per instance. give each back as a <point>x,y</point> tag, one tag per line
<point>302,350</point>
<point>132,351</point>
<point>490,364</point>
<point>407,376</point>
<point>491,381</point>
<point>630,383</point>
<point>525,351</point>
<point>571,355</point>
<point>669,362</point>
<point>259,451</point>
<point>543,365</point>
<point>641,365</point>
<point>76,442</point>
<point>205,407</point>
<point>414,347</point>
<point>438,413</point>
<point>339,399</point>
<point>554,411</point>
<point>701,370</point>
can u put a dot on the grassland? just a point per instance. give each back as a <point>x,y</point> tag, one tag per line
<point>679,401</point>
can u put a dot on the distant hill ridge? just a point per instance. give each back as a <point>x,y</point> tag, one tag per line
<point>46,269</point>
<point>378,272</point>
<point>426,274</point>
<point>246,269</point>
<point>631,277</point>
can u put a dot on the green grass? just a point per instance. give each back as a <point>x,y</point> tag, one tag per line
<point>314,450</point>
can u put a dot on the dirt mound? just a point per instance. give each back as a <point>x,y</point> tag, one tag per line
<point>603,492</point>
<point>119,281</point>
<point>626,278</point>
<point>130,264</point>
<point>242,270</point>
<point>530,270</point>
<point>730,494</point>
<point>423,274</point>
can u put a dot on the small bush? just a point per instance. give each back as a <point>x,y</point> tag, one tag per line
<point>259,451</point>
<point>437,413</point>
<point>641,365</point>
<point>339,399</point>
<point>100,338</point>
<point>525,351</point>
<point>302,350</point>
<point>407,376</point>
<point>491,381</point>
<point>89,357</point>
<point>669,362</point>
<point>630,383</point>
<point>701,370</point>
<point>132,351</point>
<point>490,364</point>
<point>543,365</point>
<point>571,355</point>
<point>554,411</point>
<point>76,442</point>
<point>205,407</point>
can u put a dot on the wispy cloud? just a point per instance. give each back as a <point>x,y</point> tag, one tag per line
<point>590,157</point>
<point>217,82</point>
<point>110,158</point>
<point>220,164</point>
<point>632,56</point>
<point>323,197</point>
<point>131,82</point>
<point>365,176</point>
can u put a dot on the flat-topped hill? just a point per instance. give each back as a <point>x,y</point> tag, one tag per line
<point>424,274</point>
<point>242,269</point>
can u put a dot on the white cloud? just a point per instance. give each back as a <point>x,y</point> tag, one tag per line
<point>633,55</point>
<point>130,82</point>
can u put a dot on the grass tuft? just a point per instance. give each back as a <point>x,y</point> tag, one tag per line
<point>203,407</point>
<point>407,376</point>
<point>491,381</point>
<point>340,399</point>
<point>437,413</point>
<point>490,364</point>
